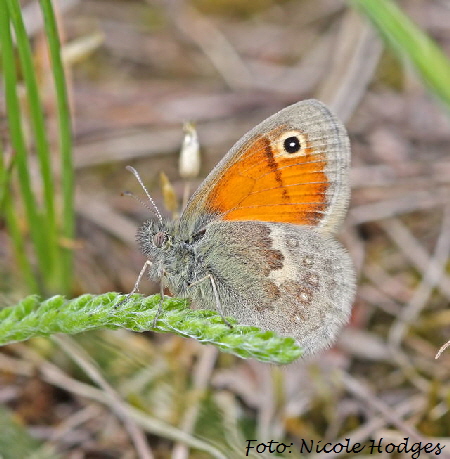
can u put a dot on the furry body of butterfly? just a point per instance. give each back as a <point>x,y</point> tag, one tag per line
<point>256,239</point>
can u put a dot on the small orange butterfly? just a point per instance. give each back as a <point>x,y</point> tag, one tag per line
<point>256,240</point>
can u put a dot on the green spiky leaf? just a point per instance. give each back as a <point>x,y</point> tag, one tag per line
<point>33,317</point>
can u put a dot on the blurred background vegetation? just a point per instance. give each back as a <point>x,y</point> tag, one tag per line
<point>112,88</point>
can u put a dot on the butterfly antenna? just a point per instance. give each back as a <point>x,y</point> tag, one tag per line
<point>135,173</point>
<point>139,200</point>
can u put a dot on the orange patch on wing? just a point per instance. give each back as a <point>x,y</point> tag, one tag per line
<point>267,185</point>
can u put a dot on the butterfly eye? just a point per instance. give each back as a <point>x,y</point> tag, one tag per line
<point>292,144</point>
<point>158,239</point>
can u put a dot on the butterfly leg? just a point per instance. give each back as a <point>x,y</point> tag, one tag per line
<point>161,293</point>
<point>147,264</point>
<point>216,296</point>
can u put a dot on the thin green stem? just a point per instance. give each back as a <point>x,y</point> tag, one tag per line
<point>16,133</point>
<point>13,227</point>
<point>49,260</point>
<point>19,248</point>
<point>65,139</point>
<point>411,44</point>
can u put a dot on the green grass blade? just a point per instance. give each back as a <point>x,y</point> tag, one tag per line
<point>65,138</point>
<point>16,442</point>
<point>411,44</point>
<point>19,248</point>
<point>48,260</point>
<point>16,132</point>
<point>4,181</point>
<point>32,317</point>
<point>13,227</point>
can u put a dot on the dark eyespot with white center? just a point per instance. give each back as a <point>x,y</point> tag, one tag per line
<point>291,144</point>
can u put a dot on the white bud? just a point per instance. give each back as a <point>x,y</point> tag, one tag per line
<point>189,164</point>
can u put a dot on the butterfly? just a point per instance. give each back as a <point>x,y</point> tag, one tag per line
<point>256,241</point>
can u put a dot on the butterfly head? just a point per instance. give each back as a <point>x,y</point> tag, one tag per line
<point>154,238</point>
